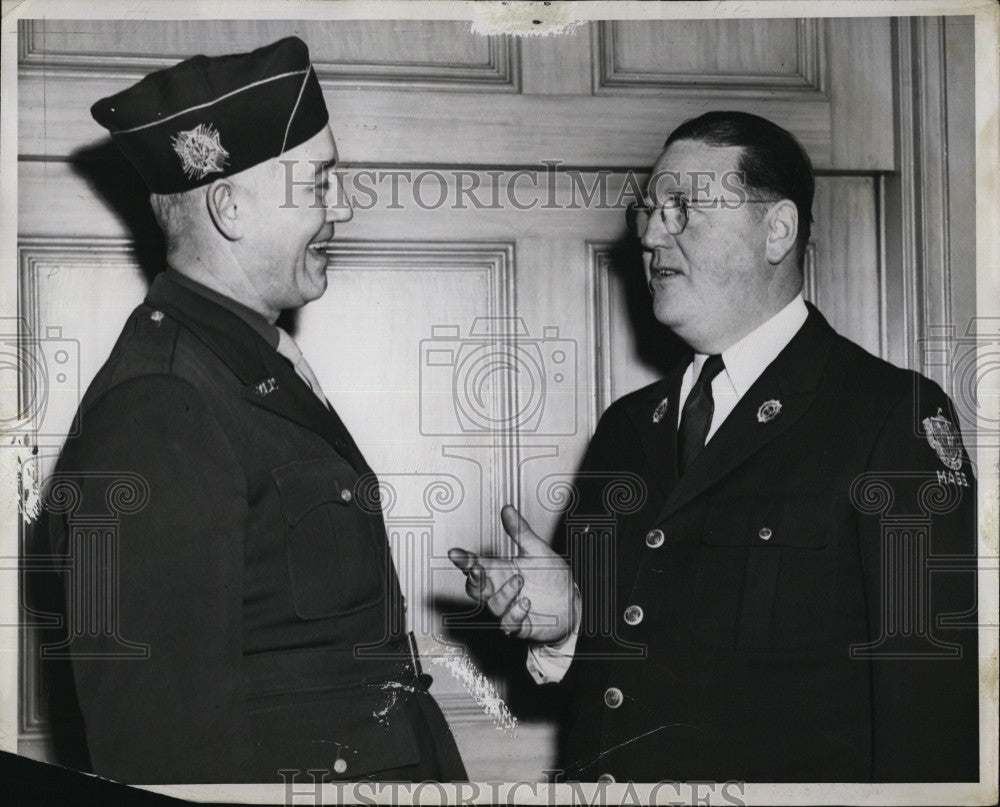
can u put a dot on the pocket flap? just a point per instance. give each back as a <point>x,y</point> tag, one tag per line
<point>305,485</point>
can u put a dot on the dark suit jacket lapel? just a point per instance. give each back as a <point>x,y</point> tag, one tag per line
<point>792,380</point>
<point>268,380</point>
<point>658,438</point>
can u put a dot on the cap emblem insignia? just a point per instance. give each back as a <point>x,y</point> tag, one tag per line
<point>200,151</point>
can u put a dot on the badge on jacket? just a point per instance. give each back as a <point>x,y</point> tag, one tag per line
<point>266,387</point>
<point>768,411</point>
<point>943,438</point>
<point>661,410</point>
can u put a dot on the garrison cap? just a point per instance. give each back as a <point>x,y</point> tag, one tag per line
<point>211,117</point>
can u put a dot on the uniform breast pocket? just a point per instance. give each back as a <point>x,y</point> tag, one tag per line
<point>334,562</point>
<point>765,576</point>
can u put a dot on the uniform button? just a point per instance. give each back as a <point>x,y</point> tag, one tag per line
<point>655,539</point>
<point>606,778</point>
<point>345,495</point>
<point>633,615</point>
<point>340,765</point>
<point>613,697</point>
<point>765,534</point>
<point>156,316</point>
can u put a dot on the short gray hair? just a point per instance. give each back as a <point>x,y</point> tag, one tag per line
<point>175,212</point>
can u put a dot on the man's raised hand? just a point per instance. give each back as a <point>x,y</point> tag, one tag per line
<point>532,593</point>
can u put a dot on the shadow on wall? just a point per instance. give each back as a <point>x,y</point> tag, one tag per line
<point>656,347</point>
<point>112,179</point>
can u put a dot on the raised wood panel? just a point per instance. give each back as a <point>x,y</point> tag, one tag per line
<point>75,295</point>
<point>406,53</point>
<point>847,274</point>
<point>859,56</point>
<point>374,341</point>
<point>781,58</point>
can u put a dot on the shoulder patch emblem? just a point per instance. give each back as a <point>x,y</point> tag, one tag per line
<point>200,151</point>
<point>943,438</point>
<point>661,410</point>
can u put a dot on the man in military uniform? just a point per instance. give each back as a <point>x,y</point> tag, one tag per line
<point>255,567</point>
<point>765,611</point>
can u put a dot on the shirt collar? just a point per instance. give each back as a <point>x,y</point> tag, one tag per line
<point>748,358</point>
<point>267,331</point>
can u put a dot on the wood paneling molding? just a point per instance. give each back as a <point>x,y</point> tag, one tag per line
<point>501,71</point>
<point>917,226</point>
<point>808,79</point>
<point>38,256</point>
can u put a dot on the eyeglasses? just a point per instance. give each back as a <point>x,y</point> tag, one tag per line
<point>673,213</point>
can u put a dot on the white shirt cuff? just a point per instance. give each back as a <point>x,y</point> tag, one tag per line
<point>549,663</point>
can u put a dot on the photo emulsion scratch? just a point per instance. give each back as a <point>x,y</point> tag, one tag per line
<point>19,460</point>
<point>482,690</point>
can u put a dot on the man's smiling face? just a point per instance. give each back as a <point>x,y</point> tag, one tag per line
<point>297,200</point>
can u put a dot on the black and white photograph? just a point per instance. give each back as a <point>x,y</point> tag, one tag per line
<point>499,402</point>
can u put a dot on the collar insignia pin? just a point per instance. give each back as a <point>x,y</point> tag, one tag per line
<point>200,151</point>
<point>661,410</point>
<point>943,438</point>
<point>768,411</point>
<point>266,387</point>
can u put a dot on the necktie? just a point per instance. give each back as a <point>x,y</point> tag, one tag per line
<point>290,350</point>
<point>697,416</point>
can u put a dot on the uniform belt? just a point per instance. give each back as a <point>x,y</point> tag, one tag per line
<point>326,668</point>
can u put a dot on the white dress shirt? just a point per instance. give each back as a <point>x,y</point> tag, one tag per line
<point>744,362</point>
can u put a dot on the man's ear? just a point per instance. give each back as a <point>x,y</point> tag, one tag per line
<point>222,207</point>
<point>782,230</point>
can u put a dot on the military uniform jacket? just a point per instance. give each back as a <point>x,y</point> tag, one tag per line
<point>251,563</point>
<point>776,614</point>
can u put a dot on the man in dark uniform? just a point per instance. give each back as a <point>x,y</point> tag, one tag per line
<point>762,609</point>
<point>251,561</point>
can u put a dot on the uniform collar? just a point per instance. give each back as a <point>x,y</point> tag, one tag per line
<point>228,335</point>
<point>791,381</point>
<point>269,381</point>
<point>748,358</point>
<point>268,332</point>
